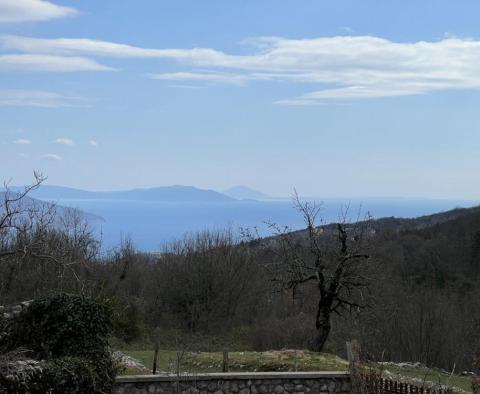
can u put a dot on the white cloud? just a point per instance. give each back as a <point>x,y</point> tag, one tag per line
<point>23,155</point>
<point>348,93</point>
<point>70,46</point>
<point>12,11</point>
<point>22,141</point>
<point>64,141</point>
<point>216,77</point>
<point>183,86</point>
<point>52,157</point>
<point>36,62</point>
<point>93,143</point>
<point>342,67</point>
<point>38,98</point>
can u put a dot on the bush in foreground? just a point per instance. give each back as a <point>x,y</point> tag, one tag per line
<point>67,334</point>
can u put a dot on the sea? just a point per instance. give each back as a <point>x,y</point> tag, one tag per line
<point>150,225</point>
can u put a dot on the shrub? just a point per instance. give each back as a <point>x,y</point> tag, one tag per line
<point>68,334</point>
<point>61,326</point>
<point>59,376</point>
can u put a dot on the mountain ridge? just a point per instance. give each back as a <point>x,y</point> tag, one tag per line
<point>174,193</point>
<point>241,192</point>
<point>398,225</point>
<point>58,210</point>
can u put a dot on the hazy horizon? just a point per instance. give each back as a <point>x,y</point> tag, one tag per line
<point>287,196</point>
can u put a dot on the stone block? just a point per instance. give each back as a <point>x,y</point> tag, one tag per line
<point>278,389</point>
<point>262,389</point>
<point>212,386</point>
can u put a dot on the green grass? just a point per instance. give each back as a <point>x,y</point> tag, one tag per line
<point>462,382</point>
<point>283,360</point>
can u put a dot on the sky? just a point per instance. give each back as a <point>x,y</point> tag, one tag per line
<point>336,98</point>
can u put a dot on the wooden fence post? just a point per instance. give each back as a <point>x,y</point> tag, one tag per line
<point>476,384</point>
<point>357,379</point>
<point>225,361</point>
<point>353,352</point>
<point>155,357</point>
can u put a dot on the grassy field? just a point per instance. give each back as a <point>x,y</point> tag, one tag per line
<point>283,360</point>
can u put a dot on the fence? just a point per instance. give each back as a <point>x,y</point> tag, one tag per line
<point>374,384</point>
<point>366,381</point>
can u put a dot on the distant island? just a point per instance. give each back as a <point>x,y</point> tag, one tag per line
<point>246,193</point>
<point>174,193</point>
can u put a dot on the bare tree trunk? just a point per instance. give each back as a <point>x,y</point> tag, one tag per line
<point>323,326</point>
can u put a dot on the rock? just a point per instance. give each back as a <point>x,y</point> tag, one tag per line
<point>262,389</point>
<point>128,361</point>
<point>314,384</point>
<point>467,373</point>
<point>331,387</point>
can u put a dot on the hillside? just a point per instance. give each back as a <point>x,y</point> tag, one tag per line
<point>424,292</point>
<point>246,193</point>
<point>418,223</point>
<point>38,205</point>
<point>393,224</point>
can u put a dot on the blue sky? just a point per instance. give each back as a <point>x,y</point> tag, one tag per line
<point>335,98</point>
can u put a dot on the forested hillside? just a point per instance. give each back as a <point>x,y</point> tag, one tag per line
<point>427,305</point>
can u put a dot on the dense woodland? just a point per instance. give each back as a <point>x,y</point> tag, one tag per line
<point>218,289</point>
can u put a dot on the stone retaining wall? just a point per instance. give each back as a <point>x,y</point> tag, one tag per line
<point>237,383</point>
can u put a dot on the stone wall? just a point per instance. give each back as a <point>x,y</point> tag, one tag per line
<point>237,383</point>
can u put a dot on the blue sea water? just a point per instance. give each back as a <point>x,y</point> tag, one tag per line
<point>151,224</point>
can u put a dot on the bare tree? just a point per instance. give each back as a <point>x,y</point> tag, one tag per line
<point>210,277</point>
<point>17,214</point>
<point>42,247</point>
<point>330,258</point>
